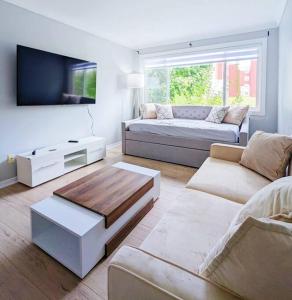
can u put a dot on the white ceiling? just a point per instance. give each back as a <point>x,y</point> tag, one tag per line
<point>139,24</point>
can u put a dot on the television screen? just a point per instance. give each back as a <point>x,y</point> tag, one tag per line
<point>45,78</point>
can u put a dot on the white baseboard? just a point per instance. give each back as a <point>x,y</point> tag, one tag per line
<point>7,182</point>
<point>111,146</point>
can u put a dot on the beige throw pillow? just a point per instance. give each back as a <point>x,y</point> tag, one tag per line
<point>253,259</point>
<point>148,111</point>
<point>268,154</point>
<point>164,111</point>
<point>217,114</point>
<point>236,114</point>
<point>273,199</point>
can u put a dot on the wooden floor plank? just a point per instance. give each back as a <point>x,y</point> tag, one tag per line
<point>26,272</point>
<point>14,285</point>
<point>48,275</point>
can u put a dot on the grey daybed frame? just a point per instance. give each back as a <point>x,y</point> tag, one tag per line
<point>179,150</point>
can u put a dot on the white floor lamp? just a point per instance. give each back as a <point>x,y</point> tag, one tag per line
<point>135,81</point>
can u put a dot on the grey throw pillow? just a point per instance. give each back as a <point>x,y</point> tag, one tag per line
<point>217,114</point>
<point>164,111</point>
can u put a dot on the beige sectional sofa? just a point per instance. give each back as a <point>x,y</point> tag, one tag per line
<point>166,265</point>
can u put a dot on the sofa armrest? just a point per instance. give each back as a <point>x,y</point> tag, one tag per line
<point>226,152</point>
<point>244,132</point>
<point>125,125</point>
<point>135,274</point>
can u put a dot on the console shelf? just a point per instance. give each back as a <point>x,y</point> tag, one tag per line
<point>73,165</point>
<point>57,160</point>
<point>73,156</point>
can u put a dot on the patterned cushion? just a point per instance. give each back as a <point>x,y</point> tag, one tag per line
<point>164,111</point>
<point>217,114</point>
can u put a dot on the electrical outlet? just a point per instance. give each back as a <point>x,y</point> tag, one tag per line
<point>11,158</point>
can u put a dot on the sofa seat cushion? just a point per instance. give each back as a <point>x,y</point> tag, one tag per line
<point>190,228</point>
<point>186,128</point>
<point>227,179</point>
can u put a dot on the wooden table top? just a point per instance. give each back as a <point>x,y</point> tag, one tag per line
<point>109,192</point>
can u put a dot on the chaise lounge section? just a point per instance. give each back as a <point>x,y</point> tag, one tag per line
<point>184,140</point>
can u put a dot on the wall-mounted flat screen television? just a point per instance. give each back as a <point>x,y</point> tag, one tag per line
<point>45,78</point>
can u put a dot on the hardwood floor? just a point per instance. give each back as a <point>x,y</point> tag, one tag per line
<point>26,272</point>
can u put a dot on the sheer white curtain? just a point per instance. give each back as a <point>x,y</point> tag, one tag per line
<point>135,81</point>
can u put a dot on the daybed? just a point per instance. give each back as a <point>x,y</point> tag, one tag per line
<point>185,140</point>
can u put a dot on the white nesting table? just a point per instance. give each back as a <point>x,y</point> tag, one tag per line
<point>76,236</point>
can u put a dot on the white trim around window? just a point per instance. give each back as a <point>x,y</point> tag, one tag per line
<point>220,52</point>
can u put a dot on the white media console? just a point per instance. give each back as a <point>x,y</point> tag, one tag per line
<point>54,161</point>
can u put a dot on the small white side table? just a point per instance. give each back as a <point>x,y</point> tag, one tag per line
<point>76,236</point>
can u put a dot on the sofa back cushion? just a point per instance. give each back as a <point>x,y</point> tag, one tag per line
<point>253,260</point>
<point>191,112</point>
<point>268,154</point>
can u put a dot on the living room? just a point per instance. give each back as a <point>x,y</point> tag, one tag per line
<point>145,149</point>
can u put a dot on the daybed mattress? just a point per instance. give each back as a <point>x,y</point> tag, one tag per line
<point>194,129</point>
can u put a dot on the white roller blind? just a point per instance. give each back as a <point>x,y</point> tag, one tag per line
<point>202,57</point>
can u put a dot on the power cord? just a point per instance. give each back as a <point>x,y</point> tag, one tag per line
<point>92,120</point>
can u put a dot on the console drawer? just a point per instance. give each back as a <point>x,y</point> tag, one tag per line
<point>48,171</point>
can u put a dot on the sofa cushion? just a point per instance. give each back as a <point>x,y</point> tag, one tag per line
<point>195,129</point>
<point>148,111</point>
<point>253,260</point>
<point>217,114</point>
<point>227,179</point>
<point>236,114</point>
<point>163,111</point>
<point>273,199</point>
<point>268,154</point>
<point>190,228</point>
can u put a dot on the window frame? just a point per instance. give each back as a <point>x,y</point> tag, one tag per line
<point>260,43</point>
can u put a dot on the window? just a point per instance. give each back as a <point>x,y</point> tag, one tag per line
<point>225,76</point>
<point>241,82</point>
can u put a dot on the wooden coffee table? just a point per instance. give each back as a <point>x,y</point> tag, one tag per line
<point>87,219</point>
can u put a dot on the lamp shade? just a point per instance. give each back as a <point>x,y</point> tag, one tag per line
<point>135,80</point>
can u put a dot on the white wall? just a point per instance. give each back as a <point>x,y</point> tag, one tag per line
<point>285,72</point>
<point>268,122</point>
<point>25,128</point>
